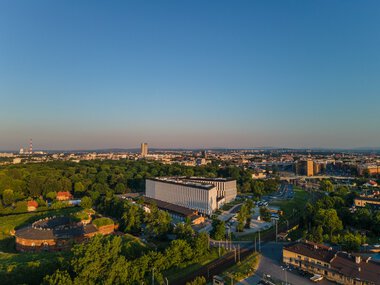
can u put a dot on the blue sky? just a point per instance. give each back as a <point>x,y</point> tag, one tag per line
<point>96,74</point>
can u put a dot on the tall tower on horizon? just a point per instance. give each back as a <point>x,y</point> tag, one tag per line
<point>144,149</point>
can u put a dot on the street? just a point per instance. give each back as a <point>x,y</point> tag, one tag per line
<point>271,264</point>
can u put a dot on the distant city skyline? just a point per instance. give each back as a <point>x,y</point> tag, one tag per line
<point>202,74</point>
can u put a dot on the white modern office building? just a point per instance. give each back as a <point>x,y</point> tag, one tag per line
<point>226,187</point>
<point>194,193</point>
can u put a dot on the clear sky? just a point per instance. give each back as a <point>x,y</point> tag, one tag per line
<point>96,74</point>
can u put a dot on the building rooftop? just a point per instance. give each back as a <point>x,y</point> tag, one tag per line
<point>54,228</point>
<point>367,199</point>
<point>350,265</point>
<point>183,211</point>
<point>312,250</point>
<point>179,181</point>
<point>366,269</point>
<point>217,179</point>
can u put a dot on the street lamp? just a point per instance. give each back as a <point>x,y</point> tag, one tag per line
<point>286,276</point>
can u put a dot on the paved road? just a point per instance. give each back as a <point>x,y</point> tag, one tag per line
<point>271,264</point>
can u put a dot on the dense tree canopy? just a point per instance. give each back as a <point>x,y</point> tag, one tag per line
<point>103,260</point>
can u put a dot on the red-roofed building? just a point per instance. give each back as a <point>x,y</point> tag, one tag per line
<point>338,266</point>
<point>64,196</point>
<point>32,206</point>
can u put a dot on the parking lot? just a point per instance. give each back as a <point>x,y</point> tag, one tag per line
<point>271,264</point>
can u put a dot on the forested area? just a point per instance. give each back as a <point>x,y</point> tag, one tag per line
<point>106,260</point>
<point>42,181</point>
<point>330,219</point>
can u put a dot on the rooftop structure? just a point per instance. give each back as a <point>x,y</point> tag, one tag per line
<point>56,233</point>
<point>337,266</point>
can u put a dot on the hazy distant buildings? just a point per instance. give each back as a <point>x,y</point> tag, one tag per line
<point>144,149</point>
<point>369,169</point>
<point>305,167</point>
<point>202,194</point>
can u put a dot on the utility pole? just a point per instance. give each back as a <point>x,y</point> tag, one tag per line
<point>153,276</point>
<point>235,254</point>
<point>167,281</point>
<point>219,248</point>
<point>259,242</point>
<point>276,231</point>
<point>239,252</point>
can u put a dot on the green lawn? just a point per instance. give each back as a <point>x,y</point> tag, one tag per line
<point>9,223</point>
<point>251,236</point>
<point>177,273</point>
<point>26,268</point>
<point>243,269</point>
<point>301,197</point>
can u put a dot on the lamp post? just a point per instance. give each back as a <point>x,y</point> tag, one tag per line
<point>286,276</point>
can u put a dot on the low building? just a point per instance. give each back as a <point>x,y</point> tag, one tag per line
<point>64,196</point>
<point>176,212</point>
<point>370,169</point>
<point>337,266</point>
<point>259,175</point>
<point>57,233</point>
<point>364,201</point>
<point>32,205</point>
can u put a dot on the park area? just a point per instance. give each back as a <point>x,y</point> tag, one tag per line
<point>291,209</point>
<point>18,268</point>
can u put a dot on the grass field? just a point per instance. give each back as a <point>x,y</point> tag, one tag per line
<point>243,269</point>
<point>26,268</point>
<point>291,209</point>
<point>11,222</point>
<point>301,197</point>
<point>177,273</point>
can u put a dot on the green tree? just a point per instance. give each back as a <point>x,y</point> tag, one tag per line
<point>86,202</point>
<point>184,231</point>
<point>200,245</point>
<point>93,262</point>
<point>199,280</point>
<point>179,251</point>
<point>8,197</point>
<point>329,220</point>
<point>257,187</point>
<point>58,278</point>
<point>79,188</point>
<point>218,231</point>
<point>35,185</point>
<point>265,214</point>
<point>132,218</point>
<point>352,242</point>
<point>326,185</point>
<point>120,188</point>
<point>51,195</point>
<point>157,222</point>
<point>244,216</point>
